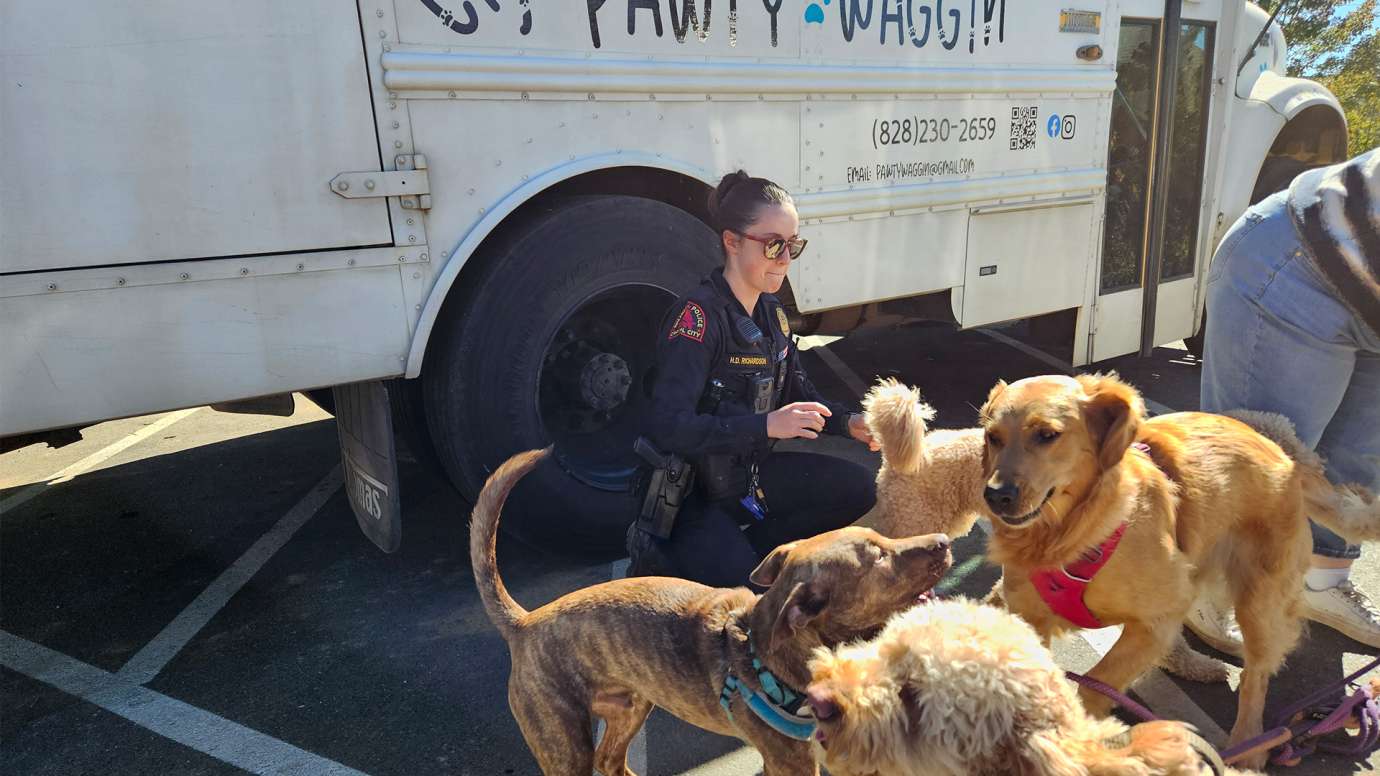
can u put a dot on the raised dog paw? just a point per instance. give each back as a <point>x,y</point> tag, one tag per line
<point>1186,663</point>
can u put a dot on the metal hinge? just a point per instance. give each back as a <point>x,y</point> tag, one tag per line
<point>409,182</point>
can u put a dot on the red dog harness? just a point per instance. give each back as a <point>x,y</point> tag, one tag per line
<point>1063,587</point>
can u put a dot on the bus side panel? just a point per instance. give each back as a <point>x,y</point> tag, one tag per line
<point>86,355</point>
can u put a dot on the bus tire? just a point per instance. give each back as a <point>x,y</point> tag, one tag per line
<point>560,317</point>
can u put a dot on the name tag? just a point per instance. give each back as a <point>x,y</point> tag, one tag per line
<point>747,360</point>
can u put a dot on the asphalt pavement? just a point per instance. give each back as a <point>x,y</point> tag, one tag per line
<point>188,593</point>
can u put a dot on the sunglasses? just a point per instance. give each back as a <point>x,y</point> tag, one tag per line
<point>774,245</point>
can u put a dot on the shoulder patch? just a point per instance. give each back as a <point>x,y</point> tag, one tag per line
<point>689,324</point>
<point>781,319</point>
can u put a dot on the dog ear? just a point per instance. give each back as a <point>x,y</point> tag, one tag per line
<point>985,414</point>
<point>770,568</point>
<point>1113,411</point>
<point>802,606</point>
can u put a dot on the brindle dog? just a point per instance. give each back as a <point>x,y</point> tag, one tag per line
<point>615,650</point>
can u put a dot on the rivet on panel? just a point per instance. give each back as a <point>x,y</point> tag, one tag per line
<point>383,34</point>
<point>416,275</point>
<point>300,267</point>
<point>52,286</point>
<point>426,257</point>
<point>412,238</point>
<point>397,144</point>
<point>369,184</point>
<point>452,95</point>
<point>402,258</point>
<point>119,281</point>
<point>244,270</point>
<point>349,262</point>
<point>379,13</point>
<point>186,276</point>
<point>396,125</point>
<point>411,221</point>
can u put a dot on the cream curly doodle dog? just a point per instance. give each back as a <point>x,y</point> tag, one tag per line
<point>722,659</point>
<point>956,688</point>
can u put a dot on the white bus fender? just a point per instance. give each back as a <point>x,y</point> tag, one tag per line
<point>501,209</point>
<point>1257,121</point>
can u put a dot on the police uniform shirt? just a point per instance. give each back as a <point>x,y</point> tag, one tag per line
<point>698,343</point>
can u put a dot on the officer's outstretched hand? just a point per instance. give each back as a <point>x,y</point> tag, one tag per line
<point>803,419</point>
<point>857,428</point>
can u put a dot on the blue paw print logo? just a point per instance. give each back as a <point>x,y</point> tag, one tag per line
<point>814,14</point>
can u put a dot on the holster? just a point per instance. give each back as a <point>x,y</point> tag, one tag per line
<point>668,484</point>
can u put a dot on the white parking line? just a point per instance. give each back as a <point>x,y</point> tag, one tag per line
<point>95,459</point>
<point>1159,691</point>
<point>1062,366</point>
<point>195,728</point>
<point>847,375</point>
<point>146,664</point>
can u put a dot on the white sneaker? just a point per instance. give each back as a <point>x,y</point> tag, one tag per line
<point>1345,609</point>
<point>1217,627</point>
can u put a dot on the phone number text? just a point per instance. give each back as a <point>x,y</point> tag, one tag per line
<point>914,131</point>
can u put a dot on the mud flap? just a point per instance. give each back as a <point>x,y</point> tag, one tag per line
<point>364,419</point>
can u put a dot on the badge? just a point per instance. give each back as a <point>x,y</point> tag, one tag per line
<point>690,324</point>
<point>781,319</point>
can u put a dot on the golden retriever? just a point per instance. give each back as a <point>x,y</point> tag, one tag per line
<point>954,688</point>
<point>1208,498</point>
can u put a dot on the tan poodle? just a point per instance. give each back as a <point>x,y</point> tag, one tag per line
<point>954,688</point>
<point>928,477</point>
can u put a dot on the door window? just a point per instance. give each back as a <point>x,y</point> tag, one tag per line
<point>1128,155</point>
<point>1187,154</point>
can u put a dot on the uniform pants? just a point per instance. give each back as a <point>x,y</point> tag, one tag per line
<point>806,494</point>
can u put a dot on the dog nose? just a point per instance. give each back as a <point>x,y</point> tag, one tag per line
<point>822,704</point>
<point>1001,497</point>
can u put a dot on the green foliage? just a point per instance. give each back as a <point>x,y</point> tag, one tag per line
<point>1338,45</point>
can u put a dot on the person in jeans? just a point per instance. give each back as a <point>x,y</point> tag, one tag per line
<point>1293,326</point>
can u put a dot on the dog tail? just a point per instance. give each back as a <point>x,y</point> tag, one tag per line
<point>503,611</point>
<point>896,417</point>
<point>1350,511</point>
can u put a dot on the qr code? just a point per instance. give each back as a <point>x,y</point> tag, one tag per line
<point>1023,120</point>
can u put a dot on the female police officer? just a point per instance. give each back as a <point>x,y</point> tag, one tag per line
<point>729,382</point>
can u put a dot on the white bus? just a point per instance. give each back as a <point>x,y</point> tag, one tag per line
<point>475,211</point>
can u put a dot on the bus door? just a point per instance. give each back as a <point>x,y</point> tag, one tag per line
<point>1127,306</point>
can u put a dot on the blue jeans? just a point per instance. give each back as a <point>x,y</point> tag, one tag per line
<point>1279,340</point>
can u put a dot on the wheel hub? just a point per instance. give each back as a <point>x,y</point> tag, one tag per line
<point>604,382</point>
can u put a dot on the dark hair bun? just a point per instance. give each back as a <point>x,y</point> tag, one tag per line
<point>739,197</point>
<point>718,195</point>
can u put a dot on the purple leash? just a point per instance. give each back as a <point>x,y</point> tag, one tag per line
<point>1300,727</point>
